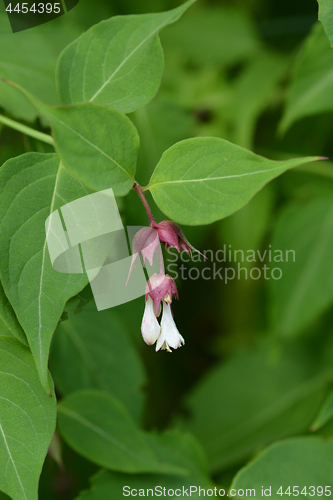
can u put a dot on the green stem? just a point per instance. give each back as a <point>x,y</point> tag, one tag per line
<point>64,6</point>
<point>27,130</point>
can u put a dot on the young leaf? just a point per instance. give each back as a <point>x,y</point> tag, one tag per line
<point>80,360</point>
<point>311,87</point>
<point>98,144</point>
<point>97,425</point>
<point>231,419</point>
<point>118,62</point>
<point>201,180</point>
<point>28,417</point>
<point>305,289</point>
<point>306,462</point>
<point>32,186</point>
<point>325,15</point>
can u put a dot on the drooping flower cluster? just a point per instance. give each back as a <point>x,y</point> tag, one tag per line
<point>160,288</point>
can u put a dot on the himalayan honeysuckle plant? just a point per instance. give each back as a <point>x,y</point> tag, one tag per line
<point>78,417</point>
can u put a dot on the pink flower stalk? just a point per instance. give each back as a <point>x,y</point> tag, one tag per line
<point>170,233</point>
<point>160,288</point>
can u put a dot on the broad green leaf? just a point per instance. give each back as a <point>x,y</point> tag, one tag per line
<point>97,426</point>
<point>9,318</point>
<point>118,62</point>
<point>302,249</point>
<point>221,35</point>
<point>311,87</point>
<point>27,421</point>
<point>303,463</point>
<point>93,350</point>
<point>325,15</point>
<point>325,413</point>
<point>201,180</point>
<point>253,399</point>
<point>30,60</point>
<point>32,186</point>
<point>97,144</point>
<point>109,485</point>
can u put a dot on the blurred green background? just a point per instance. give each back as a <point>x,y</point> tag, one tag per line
<point>256,364</point>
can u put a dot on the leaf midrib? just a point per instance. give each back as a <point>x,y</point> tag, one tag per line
<point>84,139</point>
<point>43,262</point>
<point>182,181</point>
<point>129,56</point>
<point>94,428</point>
<point>12,461</point>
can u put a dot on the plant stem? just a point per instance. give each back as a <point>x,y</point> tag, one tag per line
<point>160,256</point>
<point>138,189</point>
<point>27,130</point>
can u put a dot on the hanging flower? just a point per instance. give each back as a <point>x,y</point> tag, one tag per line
<point>170,233</point>
<point>161,287</point>
<point>150,327</point>
<point>169,336</point>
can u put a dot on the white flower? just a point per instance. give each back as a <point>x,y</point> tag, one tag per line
<point>150,327</point>
<point>170,336</point>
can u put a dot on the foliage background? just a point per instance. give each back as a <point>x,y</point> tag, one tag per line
<point>257,363</point>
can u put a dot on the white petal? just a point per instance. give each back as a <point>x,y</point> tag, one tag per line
<point>150,327</point>
<point>170,336</point>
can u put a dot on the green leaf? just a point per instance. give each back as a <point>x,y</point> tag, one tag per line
<point>9,318</point>
<point>201,180</point>
<point>30,60</point>
<point>27,423</point>
<point>325,413</point>
<point>32,186</point>
<point>302,248</point>
<point>118,62</point>
<point>325,15</point>
<point>255,398</point>
<point>306,462</point>
<point>109,485</point>
<point>311,87</point>
<point>97,426</point>
<point>98,144</point>
<point>80,359</point>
